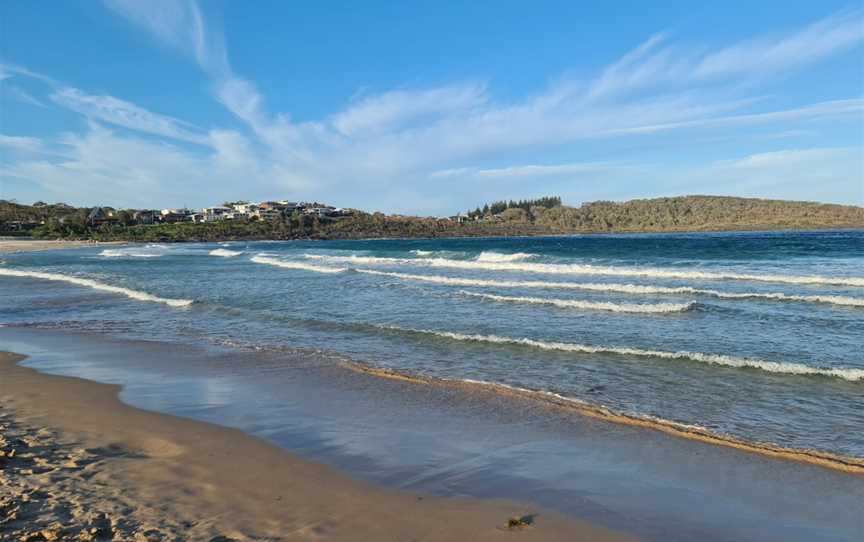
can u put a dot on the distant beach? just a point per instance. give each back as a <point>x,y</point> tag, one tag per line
<point>13,244</point>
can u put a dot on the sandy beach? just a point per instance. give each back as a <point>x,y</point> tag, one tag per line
<point>11,244</point>
<point>76,463</point>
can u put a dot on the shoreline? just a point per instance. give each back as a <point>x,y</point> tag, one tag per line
<point>846,464</point>
<point>115,468</point>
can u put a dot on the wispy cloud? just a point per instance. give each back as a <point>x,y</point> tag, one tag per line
<point>390,110</point>
<point>179,24</point>
<point>532,171</point>
<point>14,92</point>
<point>28,144</point>
<point>126,114</point>
<point>818,40</point>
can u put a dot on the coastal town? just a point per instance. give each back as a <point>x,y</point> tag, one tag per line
<point>238,210</point>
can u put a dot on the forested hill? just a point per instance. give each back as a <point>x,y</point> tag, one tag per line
<point>544,216</point>
<point>698,213</point>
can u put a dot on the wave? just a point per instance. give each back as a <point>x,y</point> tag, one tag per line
<point>619,288</point>
<point>589,305</point>
<point>778,367</point>
<point>586,269</point>
<point>296,265</point>
<point>678,429</point>
<point>225,253</point>
<point>134,294</point>
<point>149,251</point>
<point>498,257</point>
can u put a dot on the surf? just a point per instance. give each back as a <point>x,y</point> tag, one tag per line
<point>586,269</point>
<point>657,308</point>
<point>225,253</point>
<point>635,289</point>
<point>296,265</point>
<point>133,294</point>
<point>776,367</point>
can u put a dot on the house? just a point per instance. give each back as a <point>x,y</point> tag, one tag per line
<point>320,212</point>
<point>212,214</point>
<point>144,216</point>
<point>244,209</point>
<point>171,216</point>
<point>99,216</point>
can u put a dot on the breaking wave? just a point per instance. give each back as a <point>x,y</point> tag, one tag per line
<point>225,253</point>
<point>585,269</point>
<point>149,251</point>
<point>296,265</point>
<point>133,294</point>
<point>657,308</point>
<point>498,257</point>
<point>777,367</point>
<point>619,288</point>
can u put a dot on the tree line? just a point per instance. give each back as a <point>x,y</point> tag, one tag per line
<point>526,205</point>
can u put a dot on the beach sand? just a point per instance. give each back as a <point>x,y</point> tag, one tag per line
<point>76,463</point>
<point>11,244</point>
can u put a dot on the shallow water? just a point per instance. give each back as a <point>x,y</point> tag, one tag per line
<point>753,335</point>
<point>469,443</point>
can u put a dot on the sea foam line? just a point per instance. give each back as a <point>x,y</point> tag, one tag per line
<point>777,367</point>
<point>134,294</point>
<point>656,308</point>
<point>225,253</point>
<point>618,288</point>
<point>295,265</point>
<point>585,269</point>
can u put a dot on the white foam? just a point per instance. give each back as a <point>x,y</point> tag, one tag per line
<point>134,294</point>
<point>778,367</point>
<point>619,288</point>
<point>585,269</point>
<point>498,257</point>
<point>225,253</point>
<point>296,265</point>
<point>588,305</point>
<point>133,252</point>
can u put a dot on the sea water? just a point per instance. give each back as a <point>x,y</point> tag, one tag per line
<point>755,336</point>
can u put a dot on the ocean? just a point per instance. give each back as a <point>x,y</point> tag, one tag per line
<point>755,337</point>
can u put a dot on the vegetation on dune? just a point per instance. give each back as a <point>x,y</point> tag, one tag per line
<point>544,216</point>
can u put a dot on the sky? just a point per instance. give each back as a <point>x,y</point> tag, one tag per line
<point>428,107</point>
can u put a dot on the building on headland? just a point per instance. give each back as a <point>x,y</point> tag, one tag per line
<point>170,216</point>
<point>212,214</point>
<point>145,216</point>
<point>99,216</point>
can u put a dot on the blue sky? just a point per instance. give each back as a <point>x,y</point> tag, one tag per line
<point>426,107</point>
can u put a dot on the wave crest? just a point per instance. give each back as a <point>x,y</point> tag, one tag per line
<point>225,253</point>
<point>498,257</point>
<point>656,308</point>
<point>296,265</point>
<point>586,269</point>
<point>636,289</point>
<point>778,367</point>
<point>133,294</point>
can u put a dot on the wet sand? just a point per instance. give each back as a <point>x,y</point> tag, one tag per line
<point>11,245</point>
<point>76,462</point>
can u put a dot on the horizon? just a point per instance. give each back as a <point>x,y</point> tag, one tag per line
<point>166,103</point>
